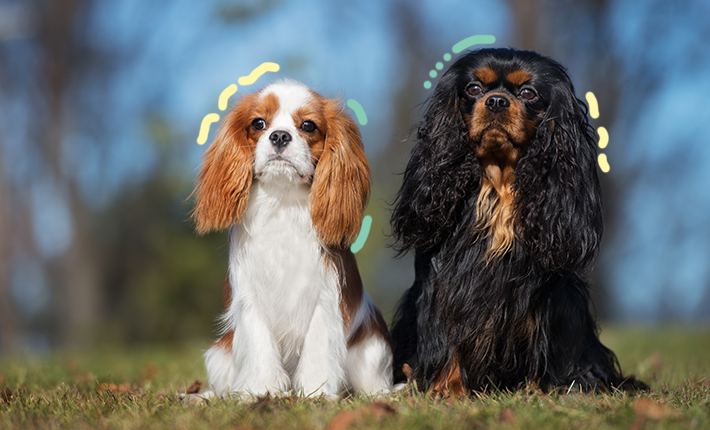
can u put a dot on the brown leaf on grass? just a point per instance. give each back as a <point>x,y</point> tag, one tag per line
<point>342,421</point>
<point>379,409</point>
<point>114,388</point>
<point>650,409</point>
<point>194,388</point>
<point>507,417</point>
<point>6,395</point>
<point>262,403</point>
<point>265,399</point>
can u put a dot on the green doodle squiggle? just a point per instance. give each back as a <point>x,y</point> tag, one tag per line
<point>359,111</point>
<point>362,237</point>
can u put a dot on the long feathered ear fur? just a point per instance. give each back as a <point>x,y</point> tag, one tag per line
<point>341,183</point>
<point>558,195</point>
<point>441,176</point>
<point>222,190</point>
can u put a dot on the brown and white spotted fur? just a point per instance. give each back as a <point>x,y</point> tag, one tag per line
<point>288,175</point>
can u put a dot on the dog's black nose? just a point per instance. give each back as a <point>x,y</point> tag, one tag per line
<point>497,104</point>
<point>280,139</point>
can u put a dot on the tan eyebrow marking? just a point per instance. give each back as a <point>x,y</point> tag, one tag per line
<point>486,75</point>
<point>518,77</point>
<point>268,107</point>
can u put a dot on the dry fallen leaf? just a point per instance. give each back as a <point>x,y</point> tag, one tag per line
<point>194,388</point>
<point>508,417</point>
<point>378,410</point>
<point>650,409</point>
<point>342,421</point>
<point>114,388</point>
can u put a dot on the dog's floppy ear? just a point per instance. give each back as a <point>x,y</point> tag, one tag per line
<point>441,175</point>
<point>559,201</point>
<point>341,183</point>
<point>223,184</point>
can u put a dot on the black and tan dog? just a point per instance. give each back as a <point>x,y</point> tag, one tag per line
<point>502,205</point>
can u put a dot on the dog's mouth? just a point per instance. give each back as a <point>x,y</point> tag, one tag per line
<point>278,165</point>
<point>279,159</point>
<point>496,135</point>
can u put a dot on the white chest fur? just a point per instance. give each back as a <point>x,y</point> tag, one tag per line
<point>277,270</point>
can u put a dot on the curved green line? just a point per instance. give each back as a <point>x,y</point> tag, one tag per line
<point>473,40</point>
<point>362,237</point>
<point>359,111</point>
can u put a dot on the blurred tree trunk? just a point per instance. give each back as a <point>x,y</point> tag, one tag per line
<point>45,75</point>
<point>415,55</point>
<point>61,43</point>
<point>392,276</point>
<point>8,316</point>
<point>526,21</point>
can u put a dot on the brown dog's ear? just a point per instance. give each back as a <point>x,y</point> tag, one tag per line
<point>341,184</point>
<point>222,190</point>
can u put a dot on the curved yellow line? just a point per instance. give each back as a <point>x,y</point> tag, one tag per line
<point>603,163</point>
<point>593,105</point>
<point>225,95</point>
<point>603,137</point>
<point>256,73</point>
<point>205,127</point>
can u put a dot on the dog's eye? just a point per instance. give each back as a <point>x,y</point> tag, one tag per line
<point>474,90</point>
<point>308,126</point>
<point>258,124</point>
<point>527,94</point>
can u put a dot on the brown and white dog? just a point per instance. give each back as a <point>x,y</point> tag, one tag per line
<point>288,175</point>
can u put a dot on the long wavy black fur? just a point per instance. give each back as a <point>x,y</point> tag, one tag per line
<point>524,317</point>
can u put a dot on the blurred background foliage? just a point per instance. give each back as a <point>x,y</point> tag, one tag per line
<point>101,103</point>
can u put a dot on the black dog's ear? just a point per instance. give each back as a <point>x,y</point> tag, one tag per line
<point>441,175</point>
<point>558,195</point>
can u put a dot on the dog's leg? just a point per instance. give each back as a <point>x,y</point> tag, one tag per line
<point>256,356</point>
<point>369,365</point>
<point>320,368</point>
<point>220,366</point>
<point>369,360</point>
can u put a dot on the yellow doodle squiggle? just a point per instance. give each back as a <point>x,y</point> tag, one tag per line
<point>205,127</point>
<point>225,95</point>
<point>603,163</point>
<point>593,105</point>
<point>256,73</point>
<point>603,137</point>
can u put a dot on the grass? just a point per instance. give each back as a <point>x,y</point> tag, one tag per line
<point>121,389</point>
